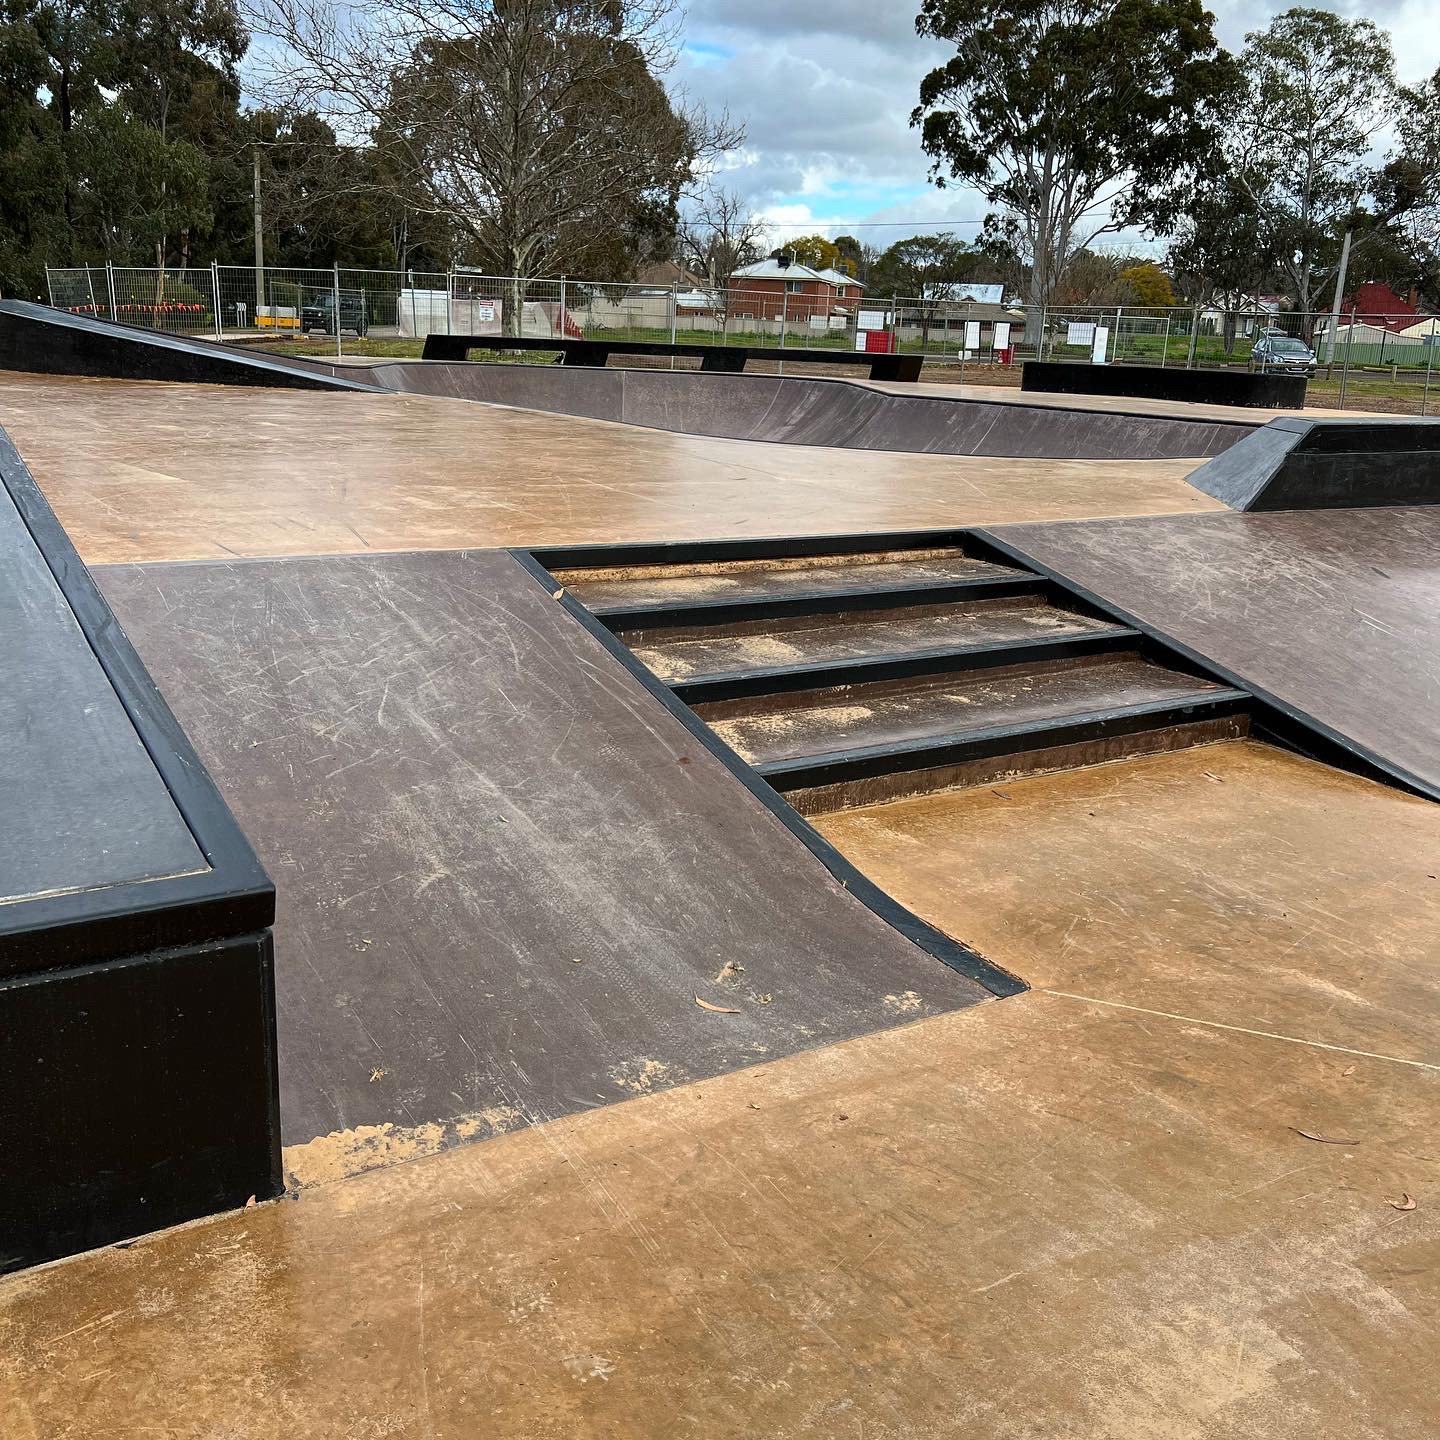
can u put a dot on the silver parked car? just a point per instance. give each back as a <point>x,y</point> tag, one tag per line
<point>1276,354</point>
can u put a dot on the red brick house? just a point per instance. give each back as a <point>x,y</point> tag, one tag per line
<point>774,289</point>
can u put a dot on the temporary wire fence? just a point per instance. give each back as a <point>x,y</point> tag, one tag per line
<point>1370,362</point>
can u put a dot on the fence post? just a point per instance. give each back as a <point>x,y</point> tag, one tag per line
<point>215,291</point>
<point>564,314</point>
<point>1429,363</point>
<point>89,285</point>
<point>1165,343</point>
<point>50,288</point>
<point>1194,338</point>
<point>110,286</point>
<point>335,293</point>
<point>674,308</point>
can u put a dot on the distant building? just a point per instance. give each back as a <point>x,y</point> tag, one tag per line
<point>848,290</point>
<point>777,287</point>
<point>1375,303</point>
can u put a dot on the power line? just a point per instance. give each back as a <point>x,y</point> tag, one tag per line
<point>861,224</point>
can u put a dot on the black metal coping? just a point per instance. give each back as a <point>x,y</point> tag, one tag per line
<point>115,839</point>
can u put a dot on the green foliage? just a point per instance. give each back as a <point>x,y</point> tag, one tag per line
<point>1319,88</point>
<point>930,265</point>
<point>1053,109</point>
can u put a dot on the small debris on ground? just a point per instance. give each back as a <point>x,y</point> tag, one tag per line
<point>559,593</point>
<point>1323,1139</point>
<point>718,1009</point>
<point>1405,1202</point>
<point>378,1073</point>
<point>729,969</point>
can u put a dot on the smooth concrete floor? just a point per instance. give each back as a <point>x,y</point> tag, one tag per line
<point>1089,1211</point>
<point>140,471</point>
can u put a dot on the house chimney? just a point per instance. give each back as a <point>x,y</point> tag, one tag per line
<point>781,258</point>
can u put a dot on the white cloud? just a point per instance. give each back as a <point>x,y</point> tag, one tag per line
<point>826,88</point>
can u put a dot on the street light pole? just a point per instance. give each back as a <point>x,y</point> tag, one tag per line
<point>1339,296</point>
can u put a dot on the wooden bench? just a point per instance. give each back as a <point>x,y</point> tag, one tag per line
<point>722,358</point>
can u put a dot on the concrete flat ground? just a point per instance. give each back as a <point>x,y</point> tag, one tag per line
<point>1186,1187</point>
<point>1088,1211</point>
<point>141,471</point>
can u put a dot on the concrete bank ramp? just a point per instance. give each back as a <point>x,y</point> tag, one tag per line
<point>809,410</point>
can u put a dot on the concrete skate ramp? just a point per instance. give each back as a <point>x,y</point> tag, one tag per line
<point>40,340</point>
<point>1333,615</point>
<point>796,410</point>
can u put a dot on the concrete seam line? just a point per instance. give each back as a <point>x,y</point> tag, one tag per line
<point>1239,1029</point>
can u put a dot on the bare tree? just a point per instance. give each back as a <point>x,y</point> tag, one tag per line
<point>526,126</point>
<point>718,235</point>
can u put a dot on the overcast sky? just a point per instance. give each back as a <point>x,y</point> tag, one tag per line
<point>826,88</point>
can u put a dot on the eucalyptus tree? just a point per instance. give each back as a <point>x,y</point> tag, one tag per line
<point>1073,118</point>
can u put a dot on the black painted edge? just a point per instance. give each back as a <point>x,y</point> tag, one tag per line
<point>316,373</point>
<point>1292,727</point>
<point>234,896</point>
<point>668,615</point>
<point>865,762</point>
<point>458,347</point>
<point>862,670</point>
<point>950,952</point>
<point>607,555</point>
<point>1034,404</point>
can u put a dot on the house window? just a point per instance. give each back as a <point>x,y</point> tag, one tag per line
<point>841,292</point>
<point>794,287</point>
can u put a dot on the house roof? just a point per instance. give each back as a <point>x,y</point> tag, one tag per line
<point>1375,303</point>
<point>771,269</point>
<point>839,277</point>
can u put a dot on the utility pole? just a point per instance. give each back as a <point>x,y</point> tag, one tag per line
<point>259,240</point>
<point>1339,296</point>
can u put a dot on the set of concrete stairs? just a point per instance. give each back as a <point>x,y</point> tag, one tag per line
<point>844,676</point>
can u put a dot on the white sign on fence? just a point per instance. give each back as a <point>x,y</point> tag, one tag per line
<point>972,334</point>
<point>1080,332</point>
<point>872,320</point>
<point>861,339</point>
<point>1002,335</point>
<point>485,312</point>
<point>1100,345</point>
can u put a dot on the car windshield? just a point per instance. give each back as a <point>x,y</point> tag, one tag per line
<point>1288,347</point>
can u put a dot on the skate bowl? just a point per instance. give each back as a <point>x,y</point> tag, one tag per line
<point>805,410</point>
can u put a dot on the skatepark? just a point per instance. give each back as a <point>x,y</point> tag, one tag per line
<point>732,904</point>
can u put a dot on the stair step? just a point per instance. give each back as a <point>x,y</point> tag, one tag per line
<point>642,589</point>
<point>817,736</point>
<point>702,660</point>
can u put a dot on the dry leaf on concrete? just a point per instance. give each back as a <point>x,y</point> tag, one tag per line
<point>1323,1139</point>
<point>718,1009</point>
